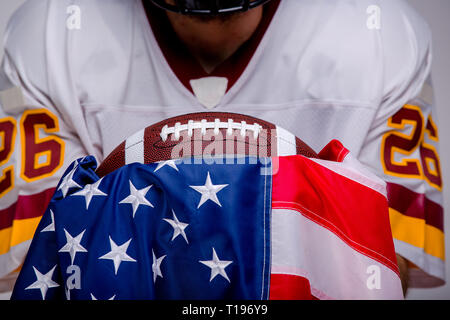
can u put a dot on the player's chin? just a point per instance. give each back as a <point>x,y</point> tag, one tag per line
<point>216,18</point>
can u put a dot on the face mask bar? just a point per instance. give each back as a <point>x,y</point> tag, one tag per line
<point>209,7</point>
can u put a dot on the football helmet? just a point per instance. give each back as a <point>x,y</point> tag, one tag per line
<point>208,7</point>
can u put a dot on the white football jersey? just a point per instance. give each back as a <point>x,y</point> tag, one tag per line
<point>80,76</point>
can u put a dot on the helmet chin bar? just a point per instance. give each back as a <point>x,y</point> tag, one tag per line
<point>208,7</point>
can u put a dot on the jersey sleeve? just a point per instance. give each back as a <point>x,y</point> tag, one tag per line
<point>403,146</point>
<point>38,137</point>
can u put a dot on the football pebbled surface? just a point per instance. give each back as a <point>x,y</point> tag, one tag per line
<point>205,134</point>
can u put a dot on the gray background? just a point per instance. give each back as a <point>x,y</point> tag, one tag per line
<point>437,13</point>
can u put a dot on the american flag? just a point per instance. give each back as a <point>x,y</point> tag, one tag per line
<point>283,228</point>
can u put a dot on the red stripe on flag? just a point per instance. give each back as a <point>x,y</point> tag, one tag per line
<point>334,151</point>
<point>355,213</point>
<point>415,205</point>
<point>30,206</point>
<point>290,287</point>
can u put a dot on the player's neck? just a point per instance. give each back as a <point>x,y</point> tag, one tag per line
<point>211,41</point>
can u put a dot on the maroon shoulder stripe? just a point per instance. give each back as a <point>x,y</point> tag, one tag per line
<point>30,206</point>
<point>416,205</point>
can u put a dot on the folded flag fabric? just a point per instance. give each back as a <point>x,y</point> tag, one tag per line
<point>268,228</point>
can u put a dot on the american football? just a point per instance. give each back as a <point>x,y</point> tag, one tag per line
<point>205,134</point>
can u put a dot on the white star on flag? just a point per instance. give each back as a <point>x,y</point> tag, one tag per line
<point>209,191</point>
<point>89,191</point>
<point>178,227</point>
<point>118,254</point>
<point>217,266</point>
<point>94,298</point>
<point>68,182</point>
<point>137,197</point>
<point>73,245</point>
<point>170,163</point>
<point>43,281</point>
<point>156,266</point>
<point>51,226</point>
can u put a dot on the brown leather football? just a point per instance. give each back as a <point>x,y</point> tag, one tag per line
<point>205,134</point>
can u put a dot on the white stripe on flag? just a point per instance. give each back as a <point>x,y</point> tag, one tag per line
<point>286,144</point>
<point>134,148</point>
<point>335,270</point>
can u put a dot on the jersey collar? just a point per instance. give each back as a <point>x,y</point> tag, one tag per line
<point>185,66</point>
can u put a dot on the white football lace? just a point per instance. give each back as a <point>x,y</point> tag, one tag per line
<point>203,125</point>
